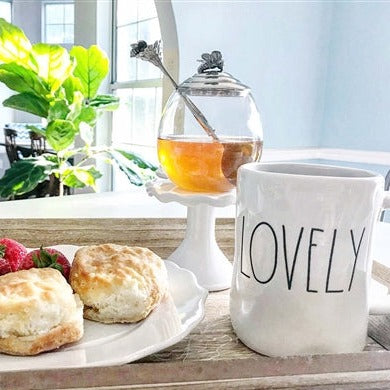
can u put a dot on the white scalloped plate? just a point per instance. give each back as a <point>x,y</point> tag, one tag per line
<point>105,345</point>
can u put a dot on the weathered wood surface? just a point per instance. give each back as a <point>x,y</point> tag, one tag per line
<point>160,235</point>
<point>211,357</point>
<point>214,338</point>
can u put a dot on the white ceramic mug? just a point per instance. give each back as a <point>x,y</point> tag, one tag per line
<point>302,263</point>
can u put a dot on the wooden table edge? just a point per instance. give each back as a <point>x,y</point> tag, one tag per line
<point>192,372</point>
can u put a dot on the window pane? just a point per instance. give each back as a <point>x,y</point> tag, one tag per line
<point>158,110</point>
<point>144,122</point>
<point>126,66</point>
<point>136,121</point>
<point>138,116</point>
<point>5,11</point>
<point>55,33</point>
<point>69,14</point>
<point>122,117</point>
<point>148,31</point>
<point>126,12</point>
<point>69,33</point>
<point>54,13</point>
<point>146,9</point>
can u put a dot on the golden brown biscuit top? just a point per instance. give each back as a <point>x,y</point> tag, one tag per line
<point>44,285</point>
<point>109,266</point>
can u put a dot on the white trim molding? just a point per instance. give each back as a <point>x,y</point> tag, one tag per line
<point>359,156</point>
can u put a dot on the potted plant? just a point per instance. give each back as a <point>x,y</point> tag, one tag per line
<point>62,88</point>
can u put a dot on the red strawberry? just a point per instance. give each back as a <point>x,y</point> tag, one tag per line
<point>4,266</point>
<point>47,257</point>
<point>13,252</point>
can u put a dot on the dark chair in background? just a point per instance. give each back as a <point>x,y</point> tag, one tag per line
<point>14,151</point>
<point>20,142</point>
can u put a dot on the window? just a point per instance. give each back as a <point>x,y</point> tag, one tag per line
<point>5,10</point>
<point>58,22</point>
<point>136,82</point>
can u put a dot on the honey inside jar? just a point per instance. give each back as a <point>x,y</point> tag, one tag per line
<point>203,165</point>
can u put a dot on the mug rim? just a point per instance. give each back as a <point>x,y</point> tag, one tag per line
<point>366,175</point>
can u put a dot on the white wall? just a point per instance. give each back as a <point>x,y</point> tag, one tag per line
<point>278,48</point>
<point>357,105</point>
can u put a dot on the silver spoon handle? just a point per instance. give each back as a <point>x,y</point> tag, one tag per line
<point>200,118</point>
<point>151,53</point>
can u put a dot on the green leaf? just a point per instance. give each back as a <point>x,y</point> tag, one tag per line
<point>86,133</point>
<point>131,174</point>
<point>76,107</point>
<point>60,134</point>
<point>29,103</point>
<point>20,79</point>
<point>58,110</point>
<point>71,85</point>
<point>37,130</point>
<point>137,160</point>
<point>92,67</point>
<point>51,158</point>
<point>67,154</point>
<point>14,46</point>
<point>87,115</point>
<point>105,102</point>
<point>127,169</point>
<point>80,177</point>
<point>24,175</point>
<point>54,64</point>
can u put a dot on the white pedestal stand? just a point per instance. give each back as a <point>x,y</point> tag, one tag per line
<point>199,251</point>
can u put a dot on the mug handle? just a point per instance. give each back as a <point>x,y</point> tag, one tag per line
<point>379,300</point>
<point>386,200</point>
<point>382,305</point>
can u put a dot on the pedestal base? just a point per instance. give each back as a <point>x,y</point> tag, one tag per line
<point>199,251</point>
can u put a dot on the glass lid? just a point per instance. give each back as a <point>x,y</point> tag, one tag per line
<point>213,83</point>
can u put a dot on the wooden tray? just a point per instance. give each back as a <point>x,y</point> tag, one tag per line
<point>211,357</point>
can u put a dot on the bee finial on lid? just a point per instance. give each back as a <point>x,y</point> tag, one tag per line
<point>211,61</point>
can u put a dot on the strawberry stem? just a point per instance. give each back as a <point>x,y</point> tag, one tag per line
<point>45,259</point>
<point>2,250</point>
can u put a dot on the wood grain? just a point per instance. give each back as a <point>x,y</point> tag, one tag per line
<point>160,235</point>
<point>381,273</point>
<point>211,357</point>
<point>214,338</point>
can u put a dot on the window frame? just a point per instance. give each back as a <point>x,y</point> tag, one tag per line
<point>168,35</point>
<point>130,84</point>
<point>44,3</point>
<point>114,85</point>
<point>11,9</point>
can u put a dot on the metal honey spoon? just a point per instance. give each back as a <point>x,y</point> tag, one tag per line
<point>152,54</point>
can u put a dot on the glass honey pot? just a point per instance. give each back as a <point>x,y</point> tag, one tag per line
<point>193,159</point>
<point>210,125</point>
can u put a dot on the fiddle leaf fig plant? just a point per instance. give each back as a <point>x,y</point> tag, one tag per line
<point>62,88</point>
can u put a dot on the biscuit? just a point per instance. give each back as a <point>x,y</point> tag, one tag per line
<point>38,312</point>
<point>118,284</point>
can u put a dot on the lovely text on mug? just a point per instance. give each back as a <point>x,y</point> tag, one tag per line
<point>249,270</point>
